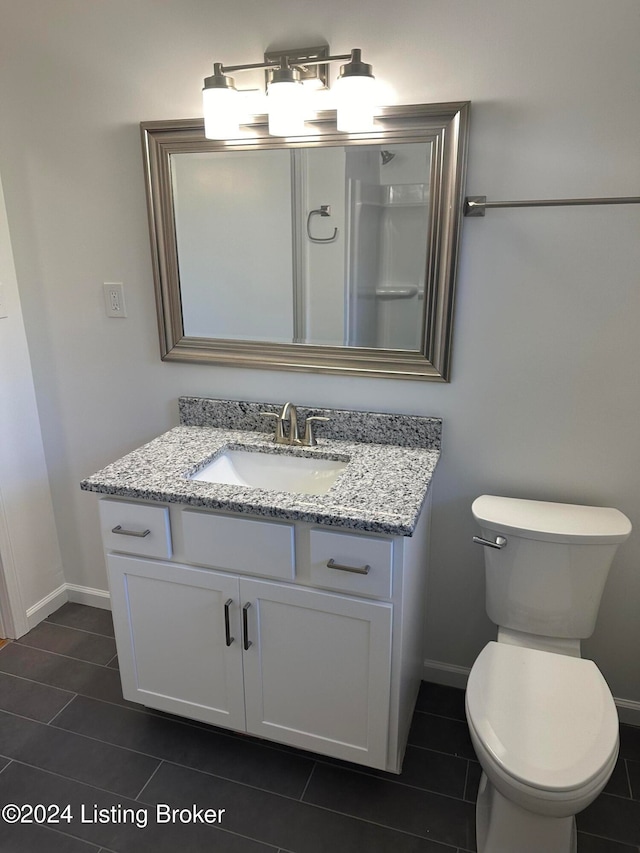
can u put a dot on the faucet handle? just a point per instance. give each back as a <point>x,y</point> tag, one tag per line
<point>279,432</point>
<point>309,439</point>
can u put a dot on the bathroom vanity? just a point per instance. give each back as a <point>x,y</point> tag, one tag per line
<point>291,616</point>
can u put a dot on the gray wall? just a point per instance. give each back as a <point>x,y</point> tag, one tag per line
<point>544,400</point>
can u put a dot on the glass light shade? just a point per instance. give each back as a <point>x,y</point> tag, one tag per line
<point>221,113</point>
<point>286,107</point>
<point>355,101</point>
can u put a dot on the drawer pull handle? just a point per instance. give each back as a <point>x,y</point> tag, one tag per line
<point>123,532</point>
<point>357,570</point>
<point>245,626</point>
<point>227,628</point>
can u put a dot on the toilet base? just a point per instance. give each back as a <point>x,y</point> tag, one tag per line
<point>505,827</point>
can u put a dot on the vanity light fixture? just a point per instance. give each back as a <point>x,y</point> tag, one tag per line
<point>289,73</point>
<point>286,101</point>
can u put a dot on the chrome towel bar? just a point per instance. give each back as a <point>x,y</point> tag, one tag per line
<point>475,205</point>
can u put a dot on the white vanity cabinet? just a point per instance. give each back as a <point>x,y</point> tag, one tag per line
<point>170,630</point>
<point>301,634</point>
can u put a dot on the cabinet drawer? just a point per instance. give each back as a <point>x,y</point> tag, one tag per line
<point>136,528</point>
<point>239,544</point>
<point>358,564</point>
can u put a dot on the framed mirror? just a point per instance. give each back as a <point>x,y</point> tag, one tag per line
<point>328,252</point>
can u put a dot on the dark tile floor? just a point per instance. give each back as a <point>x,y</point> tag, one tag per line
<point>67,738</point>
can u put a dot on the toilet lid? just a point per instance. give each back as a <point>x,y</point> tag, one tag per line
<point>547,719</point>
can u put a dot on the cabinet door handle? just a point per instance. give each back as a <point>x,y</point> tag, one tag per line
<point>245,625</point>
<point>123,532</point>
<point>357,570</point>
<point>227,628</point>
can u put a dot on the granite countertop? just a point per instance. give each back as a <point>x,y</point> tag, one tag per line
<point>381,490</point>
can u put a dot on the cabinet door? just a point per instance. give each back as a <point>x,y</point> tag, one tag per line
<point>170,623</point>
<point>317,672</point>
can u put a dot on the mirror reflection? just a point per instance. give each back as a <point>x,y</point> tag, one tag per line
<point>317,246</point>
<point>330,252</point>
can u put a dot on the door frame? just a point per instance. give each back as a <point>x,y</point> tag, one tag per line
<point>13,618</point>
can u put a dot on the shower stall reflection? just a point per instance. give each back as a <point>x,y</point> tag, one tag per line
<point>249,271</point>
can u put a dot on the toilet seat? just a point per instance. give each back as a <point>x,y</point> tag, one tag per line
<point>547,720</point>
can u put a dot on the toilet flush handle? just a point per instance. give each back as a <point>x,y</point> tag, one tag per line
<point>499,543</point>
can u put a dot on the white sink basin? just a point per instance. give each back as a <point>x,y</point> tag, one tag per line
<point>276,471</point>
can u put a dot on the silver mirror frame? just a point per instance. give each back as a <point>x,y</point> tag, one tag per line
<point>446,126</point>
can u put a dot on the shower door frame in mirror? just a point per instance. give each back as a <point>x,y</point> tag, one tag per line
<point>444,126</point>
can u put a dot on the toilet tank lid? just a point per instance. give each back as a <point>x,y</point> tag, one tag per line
<point>551,521</point>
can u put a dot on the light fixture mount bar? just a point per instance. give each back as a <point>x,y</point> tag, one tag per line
<point>310,61</point>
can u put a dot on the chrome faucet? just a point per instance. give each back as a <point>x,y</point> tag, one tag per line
<point>289,413</point>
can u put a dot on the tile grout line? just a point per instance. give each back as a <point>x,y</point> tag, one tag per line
<point>22,763</point>
<point>631,845</point>
<point>74,628</point>
<point>180,721</point>
<point>392,778</point>
<point>311,805</point>
<point>94,740</point>
<point>88,785</point>
<point>154,716</point>
<point>122,796</point>
<point>140,792</point>
<point>41,722</point>
<point>362,771</point>
<point>33,681</point>
<point>628,777</point>
<point>57,714</point>
<point>440,716</point>
<point>440,752</point>
<point>162,761</point>
<point>53,828</point>
<point>108,743</point>
<point>10,761</point>
<point>617,797</point>
<point>466,779</point>
<point>315,764</point>
<point>67,657</point>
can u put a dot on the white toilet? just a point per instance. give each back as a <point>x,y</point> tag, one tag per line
<point>541,718</point>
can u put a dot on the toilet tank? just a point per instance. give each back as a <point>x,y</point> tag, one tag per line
<point>549,576</point>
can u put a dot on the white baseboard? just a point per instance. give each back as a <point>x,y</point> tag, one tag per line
<point>66,592</point>
<point>628,711</point>
<point>89,595</point>
<point>47,605</point>
<point>452,675</point>
<point>449,674</point>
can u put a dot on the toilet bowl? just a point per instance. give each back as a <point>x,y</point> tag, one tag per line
<point>542,719</point>
<point>545,730</point>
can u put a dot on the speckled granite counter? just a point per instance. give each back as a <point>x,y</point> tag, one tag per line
<point>381,490</point>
